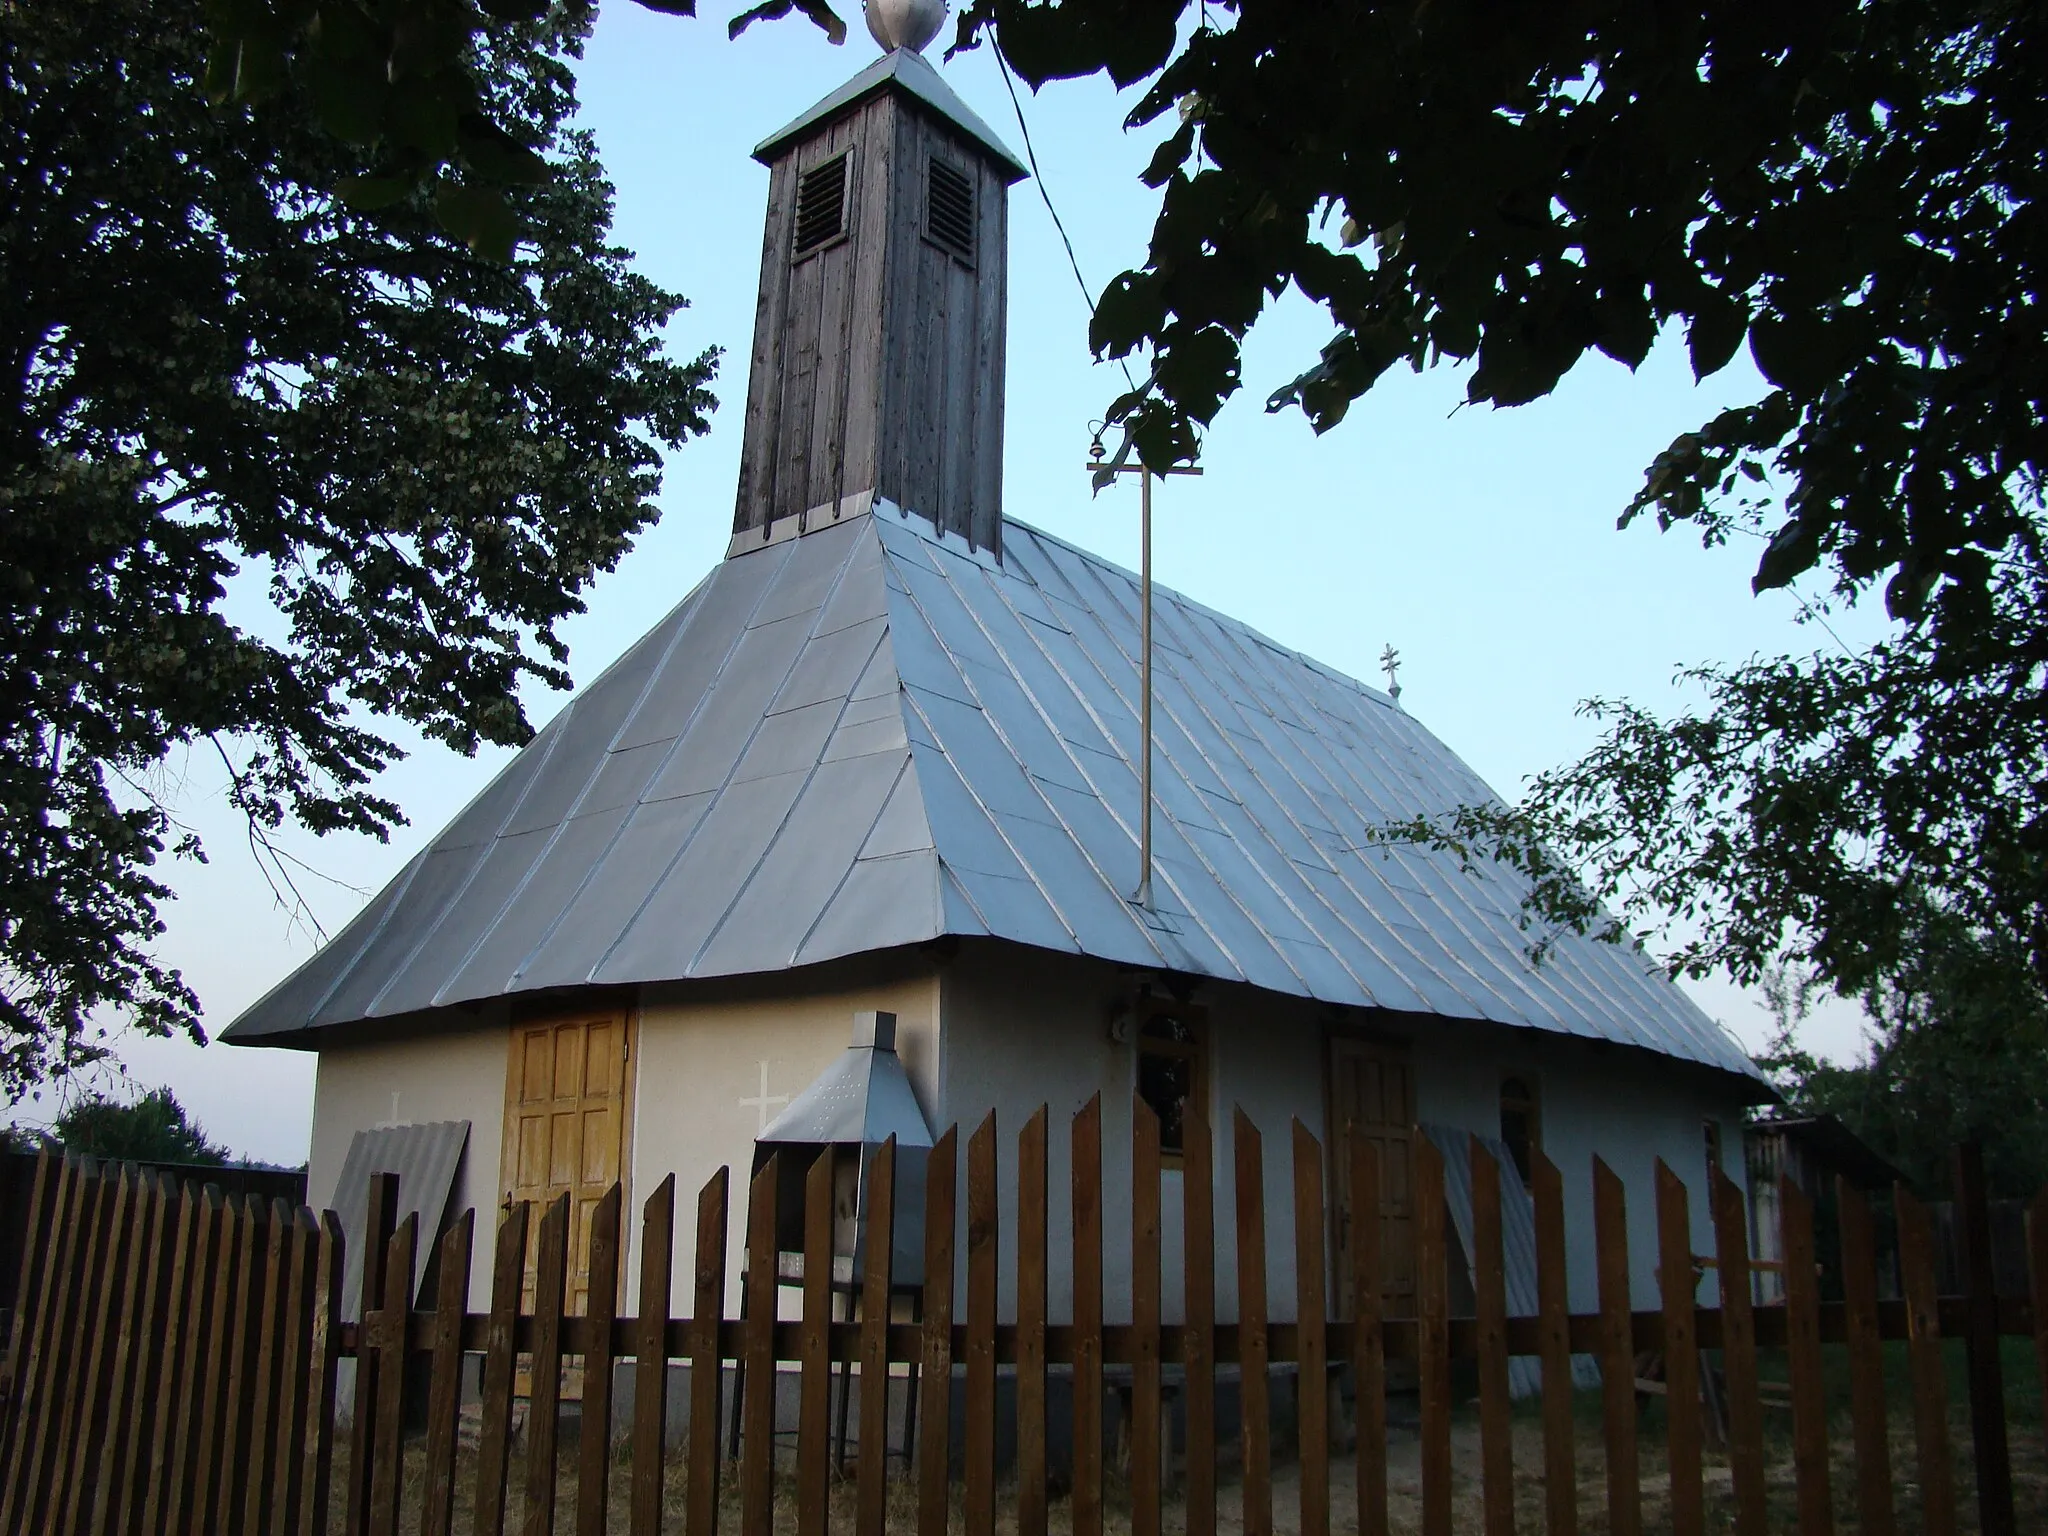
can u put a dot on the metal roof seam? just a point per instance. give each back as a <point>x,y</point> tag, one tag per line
<point>689,838</point>
<point>908,766</point>
<point>810,776</point>
<point>995,822</point>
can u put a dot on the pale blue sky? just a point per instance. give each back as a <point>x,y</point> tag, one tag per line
<point>1481,544</point>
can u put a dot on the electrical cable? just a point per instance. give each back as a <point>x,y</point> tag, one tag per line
<point>1045,195</point>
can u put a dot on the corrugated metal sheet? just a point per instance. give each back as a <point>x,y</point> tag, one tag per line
<point>425,1158</point>
<point>1518,1244</point>
<point>872,736</point>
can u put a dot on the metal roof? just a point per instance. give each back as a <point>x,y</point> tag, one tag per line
<point>910,72</point>
<point>425,1158</point>
<point>861,1099</point>
<point>872,735</point>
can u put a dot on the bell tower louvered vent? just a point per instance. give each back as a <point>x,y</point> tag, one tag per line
<point>821,204</point>
<point>949,209</point>
<point>876,375</point>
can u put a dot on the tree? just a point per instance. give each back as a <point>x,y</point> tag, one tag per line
<point>276,473</point>
<point>1853,190</point>
<point>151,1128</point>
<point>1954,1052</point>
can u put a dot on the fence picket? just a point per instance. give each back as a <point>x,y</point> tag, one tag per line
<point>380,1220</point>
<point>1738,1354</point>
<point>244,1345</point>
<point>1031,1289</point>
<point>159,1511</point>
<point>755,1385</point>
<point>979,1489</point>
<point>707,1360</point>
<point>1815,1497</point>
<point>1553,1308</point>
<point>1144,1428</point>
<point>650,1357</point>
<point>1087,1260</point>
<point>1254,1349</point>
<point>1866,1363</point>
<point>1995,1516</point>
<point>59,1385</point>
<point>501,1365</point>
<point>1617,1352</point>
<point>209,1445</point>
<point>814,1351</point>
<point>385,1332</point>
<point>326,1343</point>
<point>1678,1283</point>
<point>2037,1290</point>
<point>544,1405</point>
<point>1198,1265</point>
<point>137,1379</point>
<point>444,1395</point>
<point>30,1295</point>
<point>294,1386</point>
<point>1368,1341</point>
<point>1311,1313</point>
<point>266,1398</point>
<point>936,1382</point>
<point>103,1317</point>
<point>872,1488</point>
<point>1432,1313</point>
<point>1490,1290</point>
<point>1930,1381</point>
<point>594,1423</point>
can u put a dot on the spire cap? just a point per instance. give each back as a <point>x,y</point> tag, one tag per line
<point>910,72</point>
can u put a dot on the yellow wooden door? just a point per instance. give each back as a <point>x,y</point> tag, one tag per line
<point>1372,1094</point>
<point>565,1127</point>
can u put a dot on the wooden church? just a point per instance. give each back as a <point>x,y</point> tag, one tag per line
<point>883,763</point>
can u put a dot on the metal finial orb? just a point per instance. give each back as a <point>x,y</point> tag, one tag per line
<point>908,24</point>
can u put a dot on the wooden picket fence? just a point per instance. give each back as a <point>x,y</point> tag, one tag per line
<point>173,1366</point>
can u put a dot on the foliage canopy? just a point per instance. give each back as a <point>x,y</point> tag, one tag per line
<point>275,471</point>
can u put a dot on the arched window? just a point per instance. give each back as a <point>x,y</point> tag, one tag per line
<point>1172,1073</point>
<point>1519,1126</point>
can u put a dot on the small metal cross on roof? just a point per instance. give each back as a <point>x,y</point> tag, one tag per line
<point>1390,663</point>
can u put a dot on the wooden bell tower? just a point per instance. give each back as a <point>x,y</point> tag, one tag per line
<point>878,338</point>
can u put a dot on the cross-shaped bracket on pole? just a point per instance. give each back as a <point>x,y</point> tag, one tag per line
<point>1142,897</point>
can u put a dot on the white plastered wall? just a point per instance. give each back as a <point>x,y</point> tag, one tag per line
<point>1021,1029</point>
<point>448,1074</point>
<point>706,1066</point>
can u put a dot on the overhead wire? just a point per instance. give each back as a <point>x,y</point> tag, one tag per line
<point>1045,195</point>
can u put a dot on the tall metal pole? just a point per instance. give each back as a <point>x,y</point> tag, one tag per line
<point>1143,897</point>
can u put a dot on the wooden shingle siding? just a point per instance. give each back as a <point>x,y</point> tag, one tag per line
<point>878,353</point>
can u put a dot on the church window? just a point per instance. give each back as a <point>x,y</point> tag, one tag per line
<point>1712,1129</point>
<point>821,204</point>
<point>1172,1073</point>
<point>1520,1128</point>
<point>949,210</point>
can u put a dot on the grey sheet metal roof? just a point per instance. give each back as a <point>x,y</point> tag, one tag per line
<point>861,1099</point>
<point>425,1158</point>
<point>1517,1244</point>
<point>911,72</point>
<point>872,736</point>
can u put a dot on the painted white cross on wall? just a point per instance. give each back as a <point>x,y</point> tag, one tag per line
<point>764,1101</point>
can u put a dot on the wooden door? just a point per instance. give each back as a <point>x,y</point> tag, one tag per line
<point>566,1105</point>
<point>1372,1094</point>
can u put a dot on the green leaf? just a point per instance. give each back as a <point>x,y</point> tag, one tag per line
<point>820,13</point>
<point>494,153</point>
<point>1718,326</point>
<point>514,10</point>
<point>369,194</point>
<point>1792,552</point>
<point>479,217</point>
